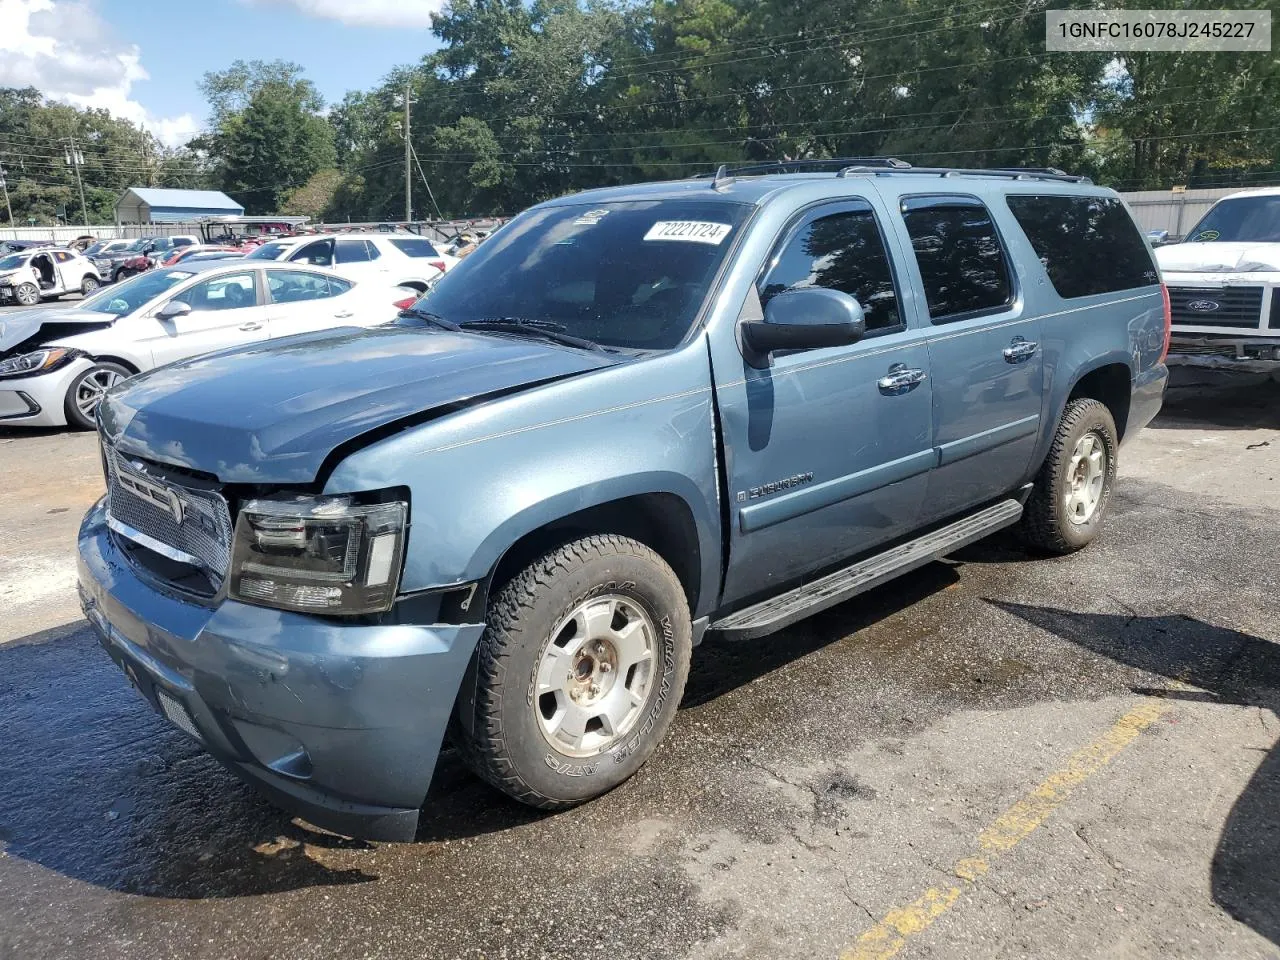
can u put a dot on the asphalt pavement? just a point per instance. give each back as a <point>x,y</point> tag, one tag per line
<point>997,756</point>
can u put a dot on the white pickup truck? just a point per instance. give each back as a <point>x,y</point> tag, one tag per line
<point>1224,285</point>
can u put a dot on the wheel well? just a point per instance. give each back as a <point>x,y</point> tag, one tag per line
<point>661,521</point>
<point>1111,385</point>
<point>132,368</point>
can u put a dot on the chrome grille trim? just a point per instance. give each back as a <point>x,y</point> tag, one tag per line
<point>186,525</point>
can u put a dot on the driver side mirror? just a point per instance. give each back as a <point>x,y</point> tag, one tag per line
<point>173,309</point>
<point>805,319</point>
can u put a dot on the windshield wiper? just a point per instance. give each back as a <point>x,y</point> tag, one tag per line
<point>427,315</point>
<point>539,328</point>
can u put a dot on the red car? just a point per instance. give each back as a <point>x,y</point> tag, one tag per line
<point>183,253</point>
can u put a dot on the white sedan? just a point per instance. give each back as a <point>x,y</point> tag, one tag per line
<point>55,364</point>
<point>401,259</point>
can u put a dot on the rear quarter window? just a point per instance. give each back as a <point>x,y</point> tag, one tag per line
<point>1088,245</point>
<point>415,247</point>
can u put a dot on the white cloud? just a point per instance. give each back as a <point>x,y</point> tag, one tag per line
<point>67,51</point>
<point>370,13</point>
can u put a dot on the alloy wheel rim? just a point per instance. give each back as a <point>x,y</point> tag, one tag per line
<point>1086,476</point>
<point>594,675</point>
<point>91,389</point>
<point>26,296</point>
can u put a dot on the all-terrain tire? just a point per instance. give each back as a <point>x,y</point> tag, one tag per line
<point>498,730</point>
<point>1048,523</point>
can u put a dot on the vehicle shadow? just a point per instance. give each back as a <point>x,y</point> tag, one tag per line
<point>1219,399</point>
<point>1229,667</point>
<point>95,786</point>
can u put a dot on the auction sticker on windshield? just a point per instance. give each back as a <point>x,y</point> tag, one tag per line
<point>690,231</point>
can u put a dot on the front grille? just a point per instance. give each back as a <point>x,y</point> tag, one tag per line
<point>1217,307</point>
<point>181,523</point>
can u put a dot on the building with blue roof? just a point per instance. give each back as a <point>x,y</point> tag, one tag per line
<point>160,205</point>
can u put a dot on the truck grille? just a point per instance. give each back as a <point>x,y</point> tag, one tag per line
<point>1216,307</point>
<point>181,523</point>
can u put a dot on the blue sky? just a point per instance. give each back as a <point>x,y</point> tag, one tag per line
<point>143,60</point>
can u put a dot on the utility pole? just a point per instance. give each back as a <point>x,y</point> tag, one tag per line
<point>5,187</point>
<point>75,159</point>
<point>408,157</point>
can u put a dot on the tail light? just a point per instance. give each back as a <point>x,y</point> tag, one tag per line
<point>1168,321</point>
<point>438,264</point>
<point>406,303</point>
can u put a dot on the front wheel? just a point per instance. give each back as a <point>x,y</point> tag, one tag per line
<point>87,390</point>
<point>1073,489</point>
<point>578,674</point>
<point>27,294</point>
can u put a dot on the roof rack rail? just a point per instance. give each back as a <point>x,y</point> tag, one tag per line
<point>1011,173</point>
<point>725,172</point>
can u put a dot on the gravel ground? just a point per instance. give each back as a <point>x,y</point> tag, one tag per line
<point>996,756</point>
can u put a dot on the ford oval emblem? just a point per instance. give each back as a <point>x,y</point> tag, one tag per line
<point>1204,306</point>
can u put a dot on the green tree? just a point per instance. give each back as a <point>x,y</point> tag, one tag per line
<point>268,136</point>
<point>35,140</point>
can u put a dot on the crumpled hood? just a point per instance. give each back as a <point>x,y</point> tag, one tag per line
<point>1218,257</point>
<point>18,325</point>
<point>273,413</point>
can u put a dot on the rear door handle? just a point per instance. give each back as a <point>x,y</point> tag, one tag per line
<point>251,325</point>
<point>1020,349</point>
<point>900,379</point>
<point>343,314</point>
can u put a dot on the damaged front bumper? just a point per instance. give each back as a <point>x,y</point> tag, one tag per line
<point>339,722</point>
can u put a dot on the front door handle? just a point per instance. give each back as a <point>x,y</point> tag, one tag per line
<point>251,325</point>
<point>343,314</point>
<point>900,379</point>
<point>1020,349</point>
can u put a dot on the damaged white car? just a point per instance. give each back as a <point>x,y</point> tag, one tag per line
<point>45,273</point>
<point>56,364</point>
<point>1224,285</point>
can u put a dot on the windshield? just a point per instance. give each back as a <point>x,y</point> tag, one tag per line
<point>127,296</point>
<point>269,251</point>
<point>1243,220</point>
<point>619,274</point>
<point>13,261</point>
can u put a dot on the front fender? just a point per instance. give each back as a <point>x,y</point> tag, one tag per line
<point>481,479</point>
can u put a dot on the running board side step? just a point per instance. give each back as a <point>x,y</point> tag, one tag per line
<point>810,598</point>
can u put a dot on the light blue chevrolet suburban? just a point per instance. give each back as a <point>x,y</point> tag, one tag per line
<point>631,417</point>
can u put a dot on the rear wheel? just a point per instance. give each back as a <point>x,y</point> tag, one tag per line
<point>1069,501</point>
<point>87,390</point>
<point>578,674</point>
<point>88,285</point>
<point>27,294</point>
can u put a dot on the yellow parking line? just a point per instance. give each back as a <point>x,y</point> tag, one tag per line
<point>890,935</point>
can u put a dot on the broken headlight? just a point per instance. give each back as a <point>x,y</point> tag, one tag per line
<point>319,554</point>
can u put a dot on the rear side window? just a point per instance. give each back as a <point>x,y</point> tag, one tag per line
<point>353,251</point>
<point>962,263</point>
<point>840,251</point>
<point>1088,245</point>
<point>415,247</point>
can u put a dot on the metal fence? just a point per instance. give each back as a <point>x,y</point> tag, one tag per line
<point>67,234</point>
<point>438,230</point>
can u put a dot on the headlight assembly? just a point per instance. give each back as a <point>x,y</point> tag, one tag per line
<point>319,554</point>
<point>38,361</point>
